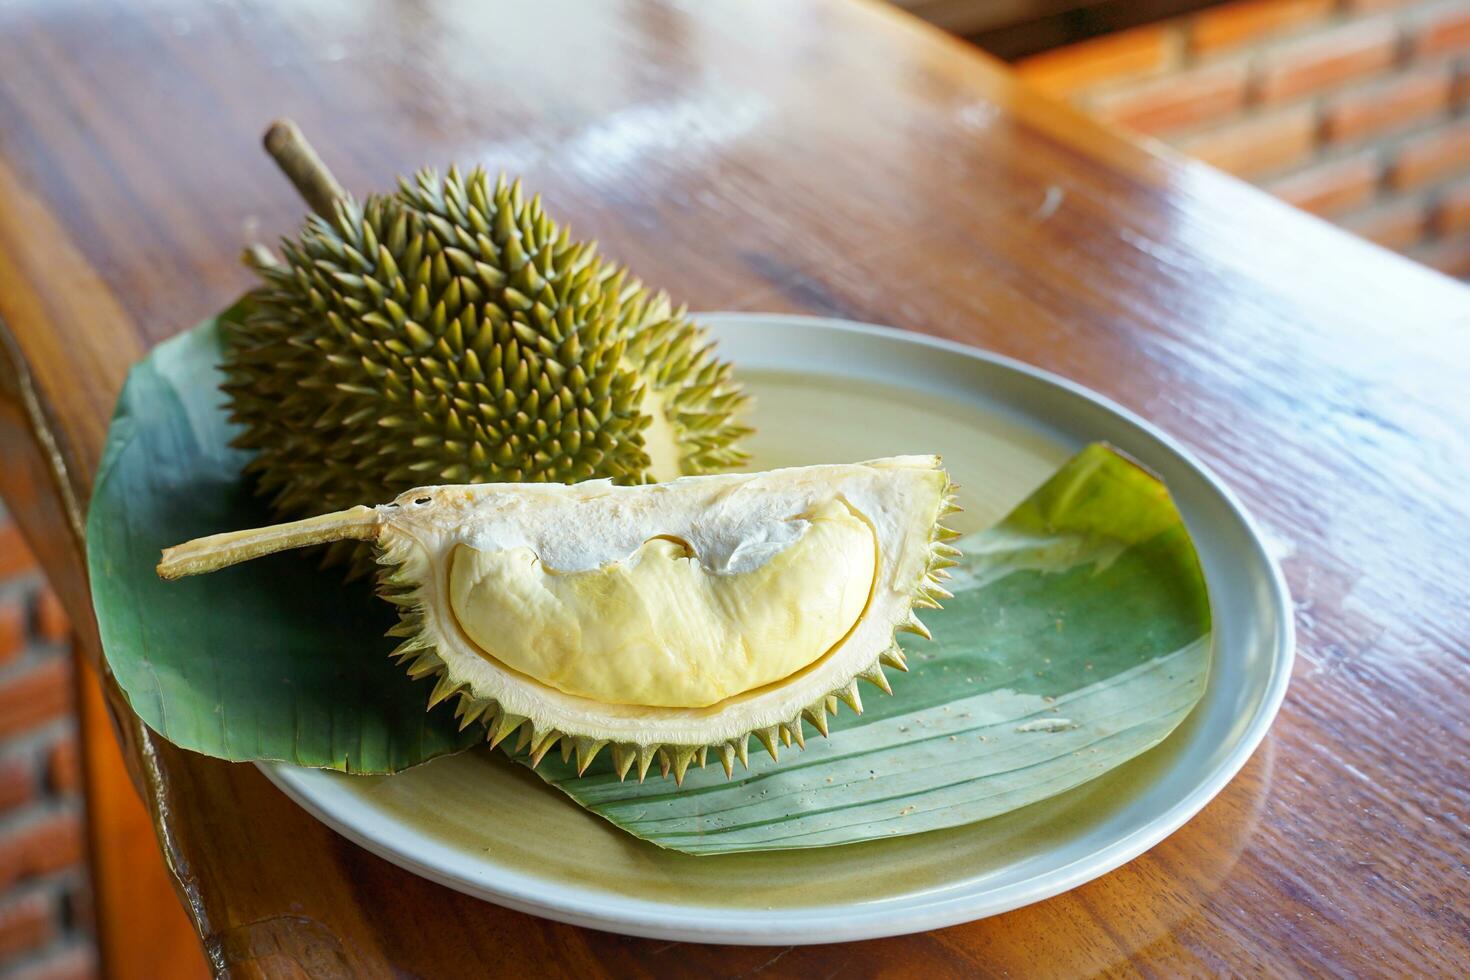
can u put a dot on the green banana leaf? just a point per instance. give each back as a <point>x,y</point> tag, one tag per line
<point>1077,638</point>
<point>272,660</point>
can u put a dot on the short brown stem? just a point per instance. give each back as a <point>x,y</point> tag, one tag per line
<point>296,158</point>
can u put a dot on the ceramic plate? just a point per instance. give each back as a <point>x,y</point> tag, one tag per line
<point>831,391</point>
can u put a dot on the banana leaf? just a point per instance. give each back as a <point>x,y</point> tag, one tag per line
<point>1078,637</point>
<point>272,660</point>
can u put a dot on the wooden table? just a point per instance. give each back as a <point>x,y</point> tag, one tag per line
<point>834,158</point>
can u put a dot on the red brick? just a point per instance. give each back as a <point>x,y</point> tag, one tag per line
<point>1178,101</point>
<point>1232,24</point>
<point>35,696</point>
<point>41,847</point>
<point>1397,225</point>
<point>1396,104</point>
<point>51,621</point>
<point>17,783</point>
<point>77,962</point>
<point>1452,210</point>
<point>26,924</point>
<point>1441,32</point>
<point>1432,156</point>
<point>1330,58</point>
<point>1257,146</point>
<point>1450,256</point>
<point>15,555</point>
<point>1333,187</point>
<point>64,766</point>
<point>1460,88</point>
<point>81,909</point>
<point>1133,53</point>
<point>12,629</point>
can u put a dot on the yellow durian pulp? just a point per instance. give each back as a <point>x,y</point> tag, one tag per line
<point>659,627</point>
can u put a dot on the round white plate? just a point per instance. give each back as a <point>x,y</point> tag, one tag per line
<point>830,391</point>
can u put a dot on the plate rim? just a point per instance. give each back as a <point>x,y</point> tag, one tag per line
<point>842,922</point>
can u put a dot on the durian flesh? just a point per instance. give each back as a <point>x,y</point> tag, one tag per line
<point>664,621</point>
<point>662,628</point>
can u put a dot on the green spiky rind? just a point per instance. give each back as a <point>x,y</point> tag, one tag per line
<point>697,390</point>
<point>402,568</point>
<point>452,333</point>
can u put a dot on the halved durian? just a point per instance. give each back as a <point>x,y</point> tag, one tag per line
<point>663,620</point>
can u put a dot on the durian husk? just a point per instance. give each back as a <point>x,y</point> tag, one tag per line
<point>403,567</point>
<point>452,332</point>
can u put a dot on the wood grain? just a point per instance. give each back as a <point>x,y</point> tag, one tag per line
<point>833,158</point>
<point>142,930</point>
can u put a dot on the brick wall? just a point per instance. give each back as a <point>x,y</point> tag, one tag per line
<point>1355,110</point>
<point>45,901</point>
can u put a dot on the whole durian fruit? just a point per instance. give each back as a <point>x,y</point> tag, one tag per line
<point>451,332</point>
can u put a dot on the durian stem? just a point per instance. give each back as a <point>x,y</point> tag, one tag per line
<point>222,550</point>
<point>294,155</point>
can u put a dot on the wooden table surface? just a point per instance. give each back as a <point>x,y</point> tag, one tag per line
<point>833,158</point>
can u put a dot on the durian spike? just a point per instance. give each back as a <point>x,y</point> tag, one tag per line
<point>683,755</point>
<point>741,745</point>
<point>767,738</point>
<point>797,735</point>
<point>443,688</point>
<point>874,675</point>
<point>912,625</point>
<point>547,743</point>
<point>218,551</point>
<point>299,161</point>
<point>504,726</point>
<point>623,758</point>
<point>524,734</point>
<point>469,715</point>
<point>260,258</point>
<point>587,749</point>
<point>646,755</point>
<point>938,591</point>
